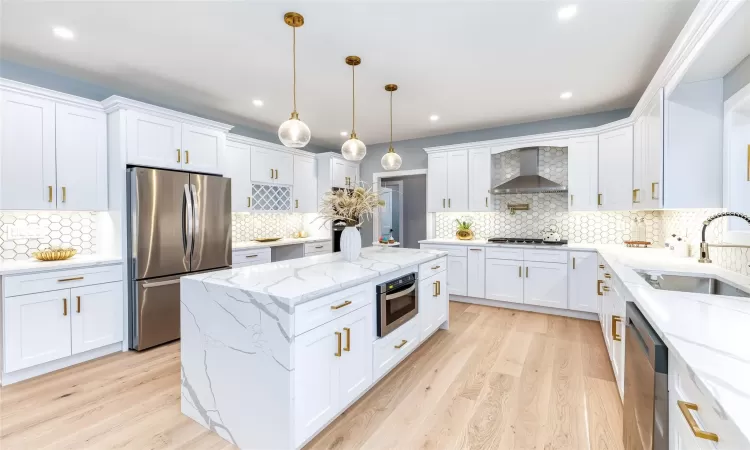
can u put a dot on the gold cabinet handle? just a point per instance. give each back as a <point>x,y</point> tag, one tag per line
<point>449,203</point>
<point>251,256</point>
<point>338,338</point>
<point>571,199</point>
<point>748,162</point>
<point>248,202</point>
<point>348,339</point>
<point>527,272</point>
<point>606,275</point>
<point>187,157</point>
<point>272,174</point>
<point>520,272</point>
<point>64,194</point>
<point>435,267</point>
<point>653,191</point>
<point>49,194</point>
<point>636,193</point>
<point>403,342</point>
<point>65,307</point>
<point>574,263</point>
<point>434,289</point>
<point>486,202</point>
<point>685,409</point>
<point>296,203</point>
<point>599,287</point>
<point>599,200</point>
<point>443,203</point>
<point>438,286</point>
<point>179,155</point>
<point>605,288</point>
<point>318,246</point>
<point>615,336</point>
<point>601,266</point>
<point>69,279</point>
<point>346,303</point>
<point>277,173</point>
<point>78,304</point>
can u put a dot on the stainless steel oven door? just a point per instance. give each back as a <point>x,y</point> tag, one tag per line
<point>397,308</point>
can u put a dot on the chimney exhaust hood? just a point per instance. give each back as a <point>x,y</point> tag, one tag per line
<point>529,181</point>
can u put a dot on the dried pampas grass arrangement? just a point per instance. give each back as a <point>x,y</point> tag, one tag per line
<point>351,206</point>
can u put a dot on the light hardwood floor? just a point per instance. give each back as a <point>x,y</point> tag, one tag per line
<point>499,379</point>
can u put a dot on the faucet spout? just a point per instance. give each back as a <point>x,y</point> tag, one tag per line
<point>705,258</point>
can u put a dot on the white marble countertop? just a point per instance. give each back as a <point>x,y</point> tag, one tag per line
<point>709,333</point>
<point>484,243</point>
<point>281,242</point>
<point>12,267</point>
<point>296,281</point>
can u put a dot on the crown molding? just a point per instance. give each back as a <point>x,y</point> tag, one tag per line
<point>59,97</point>
<point>269,145</point>
<point>115,103</point>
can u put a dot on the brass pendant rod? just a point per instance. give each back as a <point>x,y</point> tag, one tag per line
<point>353,100</point>
<point>294,67</point>
<point>391,145</point>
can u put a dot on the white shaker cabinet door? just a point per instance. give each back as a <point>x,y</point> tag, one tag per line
<point>440,302</point>
<point>475,272</point>
<point>583,173</point>
<point>27,153</point>
<point>305,185</point>
<point>237,167</point>
<point>203,149</point>
<point>546,284</point>
<point>96,316</point>
<point>458,181</point>
<point>457,272</point>
<point>81,141</point>
<point>37,328</point>
<point>616,170</point>
<point>480,167</point>
<point>340,173</point>
<point>437,182</point>
<point>262,165</point>
<point>316,379</point>
<point>355,374</point>
<point>154,141</point>
<point>351,170</point>
<point>504,280</point>
<point>653,155</point>
<point>283,163</point>
<point>582,288</point>
<point>428,291</point>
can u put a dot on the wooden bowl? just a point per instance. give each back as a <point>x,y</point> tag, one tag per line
<point>270,239</point>
<point>55,254</point>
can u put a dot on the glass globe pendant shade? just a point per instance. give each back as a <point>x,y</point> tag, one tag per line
<point>391,160</point>
<point>354,149</point>
<point>294,132</point>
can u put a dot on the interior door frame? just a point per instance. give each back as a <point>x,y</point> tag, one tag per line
<point>400,191</point>
<point>376,178</point>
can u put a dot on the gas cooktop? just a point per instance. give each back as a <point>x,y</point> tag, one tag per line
<point>527,241</point>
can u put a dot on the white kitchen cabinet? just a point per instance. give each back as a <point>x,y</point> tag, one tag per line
<point>583,173</point>
<point>545,284</point>
<point>237,167</point>
<point>582,273</point>
<point>154,141</point>
<point>305,185</point>
<point>448,181</point>
<point>202,148</point>
<point>433,304</point>
<point>271,166</point>
<point>617,332</point>
<point>475,272</point>
<point>648,148</point>
<point>437,183</point>
<point>27,152</point>
<point>355,372</point>
<point>457,275</point>
<point>81,155</point>
<point>616,170</point>
<point>504,280</point>
<point>37,328</point>
<point>96,316</point>
<point>440,303</point>
<point>480,166</point>
<point>345,173</point>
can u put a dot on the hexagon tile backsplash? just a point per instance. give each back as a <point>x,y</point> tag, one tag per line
<point>249,226</point>
<point>23,233</point>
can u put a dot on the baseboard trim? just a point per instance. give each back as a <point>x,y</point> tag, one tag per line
<point>51,366</point>
<point>523,307</point>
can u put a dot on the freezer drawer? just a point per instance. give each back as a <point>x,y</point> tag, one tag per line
<point>156,315</point>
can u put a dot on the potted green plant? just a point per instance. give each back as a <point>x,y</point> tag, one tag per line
<point>464,231</point>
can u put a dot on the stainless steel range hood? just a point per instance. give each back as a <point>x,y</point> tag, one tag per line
<point>529,181</point>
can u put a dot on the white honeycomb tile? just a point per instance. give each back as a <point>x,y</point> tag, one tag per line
<point>249,226</point>
<point>61,229</point>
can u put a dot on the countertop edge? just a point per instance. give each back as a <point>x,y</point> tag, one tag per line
<point>281,243</point>
<point>33,266</point>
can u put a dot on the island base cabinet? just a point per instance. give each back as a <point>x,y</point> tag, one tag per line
<point>96,316</point>
<point>37,329</point>
<point>333,366</point>
<point>433,304</point>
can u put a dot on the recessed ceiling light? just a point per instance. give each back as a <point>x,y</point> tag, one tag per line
<point>434,117</point>
<point>566,95</point>
<point>567,12</point>
<point>258,103</point>
<point>344,133</point>
<point>63,33</point>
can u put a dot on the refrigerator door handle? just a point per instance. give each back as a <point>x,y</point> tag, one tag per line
<point>196,215</point>
<point>188,230</point>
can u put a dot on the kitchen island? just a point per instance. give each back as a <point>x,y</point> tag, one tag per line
<point>273,353</point>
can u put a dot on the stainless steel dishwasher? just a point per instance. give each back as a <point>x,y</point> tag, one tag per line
<point>646,407</point>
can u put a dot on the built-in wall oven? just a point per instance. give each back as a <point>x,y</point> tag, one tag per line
<point>397,302</point>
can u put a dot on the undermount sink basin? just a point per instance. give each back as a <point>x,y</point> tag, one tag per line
<point>697,284</point>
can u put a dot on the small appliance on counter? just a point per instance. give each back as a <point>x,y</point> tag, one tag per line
<point>397,302</point>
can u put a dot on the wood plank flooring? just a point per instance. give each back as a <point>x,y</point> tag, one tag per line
<point>498,379</point>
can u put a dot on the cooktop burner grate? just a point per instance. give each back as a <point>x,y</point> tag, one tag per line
<point>530,241</point>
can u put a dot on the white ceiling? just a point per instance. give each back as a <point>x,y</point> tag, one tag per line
<point>475,64</point>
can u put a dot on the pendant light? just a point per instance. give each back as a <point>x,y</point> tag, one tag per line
<point>391,160</point>
<point>294,133</point>
<point>353,149</point>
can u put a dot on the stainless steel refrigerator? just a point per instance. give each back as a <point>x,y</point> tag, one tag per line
<point>178,223</point>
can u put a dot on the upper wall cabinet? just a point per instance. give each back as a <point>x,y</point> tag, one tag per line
<point>648,156</point>
<point>583,173</point>
<point>165,139</point>
<point>237,167</point>
<point>335,172</point>
<point>345,173</point>
<point>271,166</point>
<point>54,151</point>
<point>616,170</point>
<point>305,186</point>
<point>448,181</point>
<point>480,167</point>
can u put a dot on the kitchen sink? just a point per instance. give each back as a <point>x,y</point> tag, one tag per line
<point>697,284</point>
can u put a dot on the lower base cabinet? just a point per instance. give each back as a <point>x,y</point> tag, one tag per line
<point>545,284</point>
<point>433,303</point>
<point>582,273</point>
<point>457,275</point>
<point>96,316</point>
<point>504,280</point>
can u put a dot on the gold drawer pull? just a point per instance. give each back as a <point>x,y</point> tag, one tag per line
<point>272,174</point>
<point>49,194</point>
<point>601,266</point>
<point>78,304</point>
<point>435,267</point>
<point>439,289</point>
<point>65,307</point>
<point>251,256</point>
<point>338,338</point>
<point>605,288</point>
<point>685,408</point>
<point>179,155</point>
<point>606,275</point>
<point>69,279</point>
<point>187,157</point>
<point>435,289</point>
<point>348,339</point>
<point>296,203</point>
<point>520,272</point>
<point>248,202</point>
<point>318,246</point>
<point>346,303</point>
<point>599,287</point>
<point>615,336</point>
<point>527,272</point>
<point>599,200</point>
<point>403,342</point>
<point>636,193</point>
<point>64,194</point>
<point>277,173</point>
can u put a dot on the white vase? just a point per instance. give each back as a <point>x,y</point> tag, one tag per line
<point>351,243</point>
